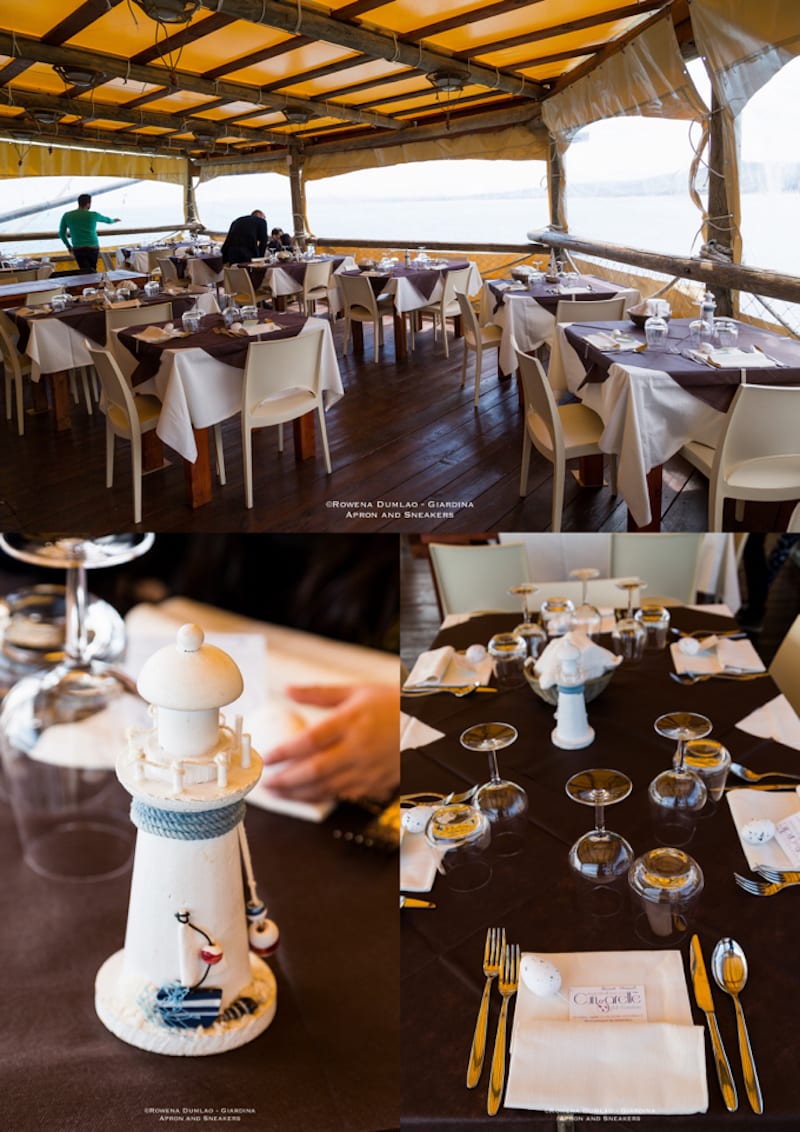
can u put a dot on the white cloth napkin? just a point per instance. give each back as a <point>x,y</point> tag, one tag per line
<point>418,862</point>
<point>727,655</point>
<point>750,805</point>
<point>776,720</point>
<point>414,733</point>
<point>595,660</point>
<point>607,342</point>
<point>123,304</point>
<point>446,666</point>
<point>156,333</point>
<point>657,1066</point>
<point>729,357</point>
<point>651,308</point>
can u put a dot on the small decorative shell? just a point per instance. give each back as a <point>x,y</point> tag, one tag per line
<point>758,831</point>
<point>540,975</point>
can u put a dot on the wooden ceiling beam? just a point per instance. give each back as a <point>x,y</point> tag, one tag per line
<point>626,12</point>
<point>316,73</point>
<point>256,57</point>
<point>607,52</point>
<point>33,51</point>
<point>357,8</point>
<point>78,20</point>
<point>366,84</point>
<point>465,19</point>
<point>284,14</point>
<point>560,56</point>
<point>180,39</point>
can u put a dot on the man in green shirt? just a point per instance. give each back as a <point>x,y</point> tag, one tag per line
<point>78,230</point>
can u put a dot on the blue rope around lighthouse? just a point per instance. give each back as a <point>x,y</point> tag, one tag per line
<point>198,825</point>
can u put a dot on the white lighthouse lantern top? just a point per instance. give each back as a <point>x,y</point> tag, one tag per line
<point>190,675</point>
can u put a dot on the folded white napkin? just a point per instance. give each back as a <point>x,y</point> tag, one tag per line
<point>595,660</point>
<point>607,342</point>
<point>729,357</point>
<point>156,333</point>
<point>446,666</point>
<point>751,805</point>
<point>563,289</point>
<point>776,720</point>
<point>651,308</point>
<point>25,312</point>
<point>414,733</point>
<point>197,289</point>
<point>418,861</point>
<point>123,304</point>
<point>727,655</point>
<point>657,1066</point>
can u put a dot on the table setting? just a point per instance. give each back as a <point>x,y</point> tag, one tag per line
<point>609,923</point>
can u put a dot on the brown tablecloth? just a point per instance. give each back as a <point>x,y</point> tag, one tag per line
<point>232,350</point>
<point>534,895</point>
<point>548,297</point>
<point>714,386</point>
<point>214,262</point>
<point>422,280</point>
<point>327,1063</point>
<point>90,321</point>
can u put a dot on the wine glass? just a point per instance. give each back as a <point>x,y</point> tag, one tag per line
<point>58,728</point>
<point>678,794</point>
<point>587,618</point>
<point>600,856</point>
<point>533,634</point>
<point>628,635</point>
<point>504,803</point>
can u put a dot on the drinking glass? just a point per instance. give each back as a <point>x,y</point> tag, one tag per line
<point>600,856</point>
<point>534,636</point>
<point>508,652</point>
<point>628,635</point>
<point>709,759</point>
<point>727,331</point>
<point>58,728</point>
<point>249,315</point>
<point>678,795</point>
<point>698,330</point>
<point>556,613</point>
<point>462,834</point>
<point>504,803</point>
<point>665,886</point>
<point>586,617</point>
<point>655,621</point>
<point>656,331</point>
<point>191,321</point>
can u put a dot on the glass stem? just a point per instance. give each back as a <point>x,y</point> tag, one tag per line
<point>599,817</point>
<point>76,638</point>
<point>494,770</point>
<point>681,754</point>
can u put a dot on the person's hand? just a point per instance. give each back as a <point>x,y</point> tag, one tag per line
<point>352,752</point>
<point>115,220</point>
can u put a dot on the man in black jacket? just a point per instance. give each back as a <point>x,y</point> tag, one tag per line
<point>246,239</point>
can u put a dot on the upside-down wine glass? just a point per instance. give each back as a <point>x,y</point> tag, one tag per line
<point>532,633</point>
<point>600,855</point>
<point>678,794</point>
<point>628,636</point>
<point>587,618</point>
<point>504,803</point>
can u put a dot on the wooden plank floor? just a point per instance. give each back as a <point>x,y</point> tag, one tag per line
<point>403,433</point>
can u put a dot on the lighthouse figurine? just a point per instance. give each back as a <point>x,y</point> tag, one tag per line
<point>572,729</point>
<point>191,978</point>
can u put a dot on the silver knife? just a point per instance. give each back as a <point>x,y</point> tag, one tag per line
<point>702,995</point>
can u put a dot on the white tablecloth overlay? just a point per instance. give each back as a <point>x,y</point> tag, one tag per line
<point>197,390</point>
<point>408,298</point>
<point>648,417</point>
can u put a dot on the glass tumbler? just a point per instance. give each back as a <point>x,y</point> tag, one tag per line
<point>665,886</point>
<point>508,652</point>
<point>654,619</point>
<point>711,761</point>
<point>656,331</point>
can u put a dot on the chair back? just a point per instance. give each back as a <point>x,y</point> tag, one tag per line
<point>136,316</point>
<point>317,276</point>
<point>357,292</point>
<point>239,284</point>
<point>785,666</point>
<point>169,272</point>
<point>45,270</point>
<point>9,354</point>
<point>107,261</point>
<point>455,281</point>
<point>761,423</point>
<point>286,363</point>
<point>42,298</point>
<point>793,526</point>
<point>668,563</point>
<point>591,310</point>
<point>469,319</point>
<point>469,578</point>
<point>26,275</point>
<point>117,403</point>
<point>540,400</point>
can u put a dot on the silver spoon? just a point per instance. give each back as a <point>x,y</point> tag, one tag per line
<point>751,776</point>
<point>729,967</point>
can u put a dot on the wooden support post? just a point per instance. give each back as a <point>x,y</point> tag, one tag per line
<point>718,225</point>
<point>189,202</point>
<point>295,163</point>
<point>555,187</point>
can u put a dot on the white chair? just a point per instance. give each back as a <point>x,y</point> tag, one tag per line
<point>127,415</point>
<point>448,306</point>
<point>135,316</point>
<point>45,270</point>
<point>281,383</point>
<point>362,305</point>
<point>668,563</point>
<point>42,298</point>
<point>591,310</point>
<point>476,338</point>
<point>472,578</point>
<point>758,454</point>
<point>793,526</point>
<point>315,284</point>
<point>16,367</point>
<point>558,432</point>
<point>169,274</point>
<point>27,275</point>
<point>785,666</point>
<point>107,260</point>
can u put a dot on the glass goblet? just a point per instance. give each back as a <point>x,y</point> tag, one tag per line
<point>587,618</point>
<point>504,803</point>
<point>600,855</point>
<point>524,590</point>
<point>678,795</point>
<point>533,634</point>
<point>461,834</point>
<point>628,635</point>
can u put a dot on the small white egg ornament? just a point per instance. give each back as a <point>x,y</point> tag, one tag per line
<point>416,819</point>
<point>475,655</point>
<point>540,976</point>
<point>758,831</point>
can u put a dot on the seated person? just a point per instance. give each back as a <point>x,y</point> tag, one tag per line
<point>279,240</point>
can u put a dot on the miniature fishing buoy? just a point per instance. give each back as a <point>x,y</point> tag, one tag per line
<point>758,831</point>
<point>211,954</point>
<point>540,976</point>
<point>264,937</point>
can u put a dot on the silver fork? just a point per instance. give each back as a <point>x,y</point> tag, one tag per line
<point>492,955</point>
<point>507,985</point>
<point>701,677</point>
<point>778,876</point>
<point>454,689</point>
<point>761,888</point>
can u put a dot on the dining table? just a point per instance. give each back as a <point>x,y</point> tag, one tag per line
<point>198,379</point>
<point>413,286</point>
<point>653,400</point>
<point>327,1062</point>
<point>144,257</point>
<point>12,294</point>
<point>548,909</point>
<point>285,278</point>
<point>525,310</point>
<point>54,341</point>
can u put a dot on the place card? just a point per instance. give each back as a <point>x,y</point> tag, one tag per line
<point>787,834</point>
<point>608,1004</point>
